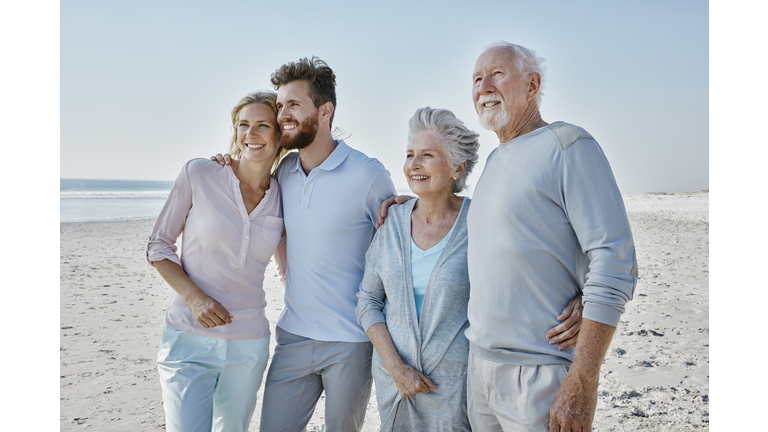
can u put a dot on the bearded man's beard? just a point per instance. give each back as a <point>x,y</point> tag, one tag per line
<point>493,120</point>
<point>306,133</point>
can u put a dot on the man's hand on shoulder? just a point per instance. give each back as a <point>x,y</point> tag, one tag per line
<point>395,199</point>
<point>222,160</point>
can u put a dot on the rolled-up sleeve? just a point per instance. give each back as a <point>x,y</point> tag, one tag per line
<point>596,212</point>
<point>371,296</point>
<point>170,222</point>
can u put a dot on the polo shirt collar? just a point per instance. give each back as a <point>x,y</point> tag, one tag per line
<point>333,160</point>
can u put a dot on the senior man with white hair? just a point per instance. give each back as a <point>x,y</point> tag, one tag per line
<point>547,223</point>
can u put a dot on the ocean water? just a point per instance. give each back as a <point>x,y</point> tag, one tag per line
<point>85,200</point>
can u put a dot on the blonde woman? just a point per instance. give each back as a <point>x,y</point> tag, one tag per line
<point>215,342</point>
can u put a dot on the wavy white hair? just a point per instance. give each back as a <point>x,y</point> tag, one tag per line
<point>459,143</point>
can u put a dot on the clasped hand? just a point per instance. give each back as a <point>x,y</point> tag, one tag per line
<point>209,312</point>
<point>409,381</point>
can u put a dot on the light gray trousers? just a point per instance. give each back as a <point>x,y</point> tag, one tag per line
<point>511,398</point>
<point>302,369</point>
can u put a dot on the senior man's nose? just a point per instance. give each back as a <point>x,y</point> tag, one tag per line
<point>486,86</point>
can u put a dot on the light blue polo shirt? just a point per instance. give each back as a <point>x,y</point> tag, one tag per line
<point>330,218</point>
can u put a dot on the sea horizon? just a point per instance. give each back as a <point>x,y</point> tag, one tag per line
<point>104,200</point>
<point>109,200</point>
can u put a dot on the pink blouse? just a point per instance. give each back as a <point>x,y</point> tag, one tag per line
<point>224,250</point>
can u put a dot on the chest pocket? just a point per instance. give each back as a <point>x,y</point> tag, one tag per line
<point>273,229</point>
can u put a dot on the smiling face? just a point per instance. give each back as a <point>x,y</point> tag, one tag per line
<point>257,133</point>
<point>426,166</point>
<point>499,90</point>
<point>296,115</point>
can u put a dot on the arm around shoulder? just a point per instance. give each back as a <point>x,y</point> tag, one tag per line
<point>381,189</point>
<point>595,209</point>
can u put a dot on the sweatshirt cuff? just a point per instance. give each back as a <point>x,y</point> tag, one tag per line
<point>602,313</point>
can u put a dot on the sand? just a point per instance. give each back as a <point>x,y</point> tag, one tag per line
<point>655,376</point>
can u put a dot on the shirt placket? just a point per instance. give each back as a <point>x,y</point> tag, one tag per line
<point>245,238</point>
<point>309,187</point>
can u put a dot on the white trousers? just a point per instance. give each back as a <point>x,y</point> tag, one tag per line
<point>510,398</point>
<point>209,384</point>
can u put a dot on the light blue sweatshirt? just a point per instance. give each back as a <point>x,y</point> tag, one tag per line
<point>547,222</point>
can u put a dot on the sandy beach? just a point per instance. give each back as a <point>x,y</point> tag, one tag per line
<point>655,376</point>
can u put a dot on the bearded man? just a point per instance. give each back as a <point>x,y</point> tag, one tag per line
<point>331,195</point>
<point>547,223</point>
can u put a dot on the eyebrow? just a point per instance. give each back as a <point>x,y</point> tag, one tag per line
<point>257,121</point>
<point>288,101</point>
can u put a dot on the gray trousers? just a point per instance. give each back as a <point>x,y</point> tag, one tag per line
<point>511,398</point>
<point>301,369</point>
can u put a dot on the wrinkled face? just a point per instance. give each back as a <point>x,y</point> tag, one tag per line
<point>426,166</point>
<point>297,115</point>
<point>257,133</point>
<point>499,90</point>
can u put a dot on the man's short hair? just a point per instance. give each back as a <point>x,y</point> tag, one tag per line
<point>526,61</point>
<point>321,79</point>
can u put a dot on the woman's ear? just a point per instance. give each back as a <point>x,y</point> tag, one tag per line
<point>460,170</point>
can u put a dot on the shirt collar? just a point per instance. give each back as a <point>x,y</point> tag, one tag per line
<point>333,160</point>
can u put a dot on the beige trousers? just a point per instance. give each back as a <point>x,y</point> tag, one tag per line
<point>510,398</point>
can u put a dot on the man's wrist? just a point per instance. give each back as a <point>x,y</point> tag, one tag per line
<point>586,376</point>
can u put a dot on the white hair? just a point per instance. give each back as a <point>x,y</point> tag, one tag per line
<point>459,143</point>
<point>526,61</point>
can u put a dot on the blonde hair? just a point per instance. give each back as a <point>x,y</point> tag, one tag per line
<point>265,97</point>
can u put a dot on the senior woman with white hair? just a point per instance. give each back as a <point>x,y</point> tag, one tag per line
<point>413,298</point>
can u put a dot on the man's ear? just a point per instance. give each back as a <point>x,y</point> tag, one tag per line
<point>325,111</point>
<point>534,85</point>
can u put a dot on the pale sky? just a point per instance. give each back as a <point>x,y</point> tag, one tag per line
<point>147,85</point>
